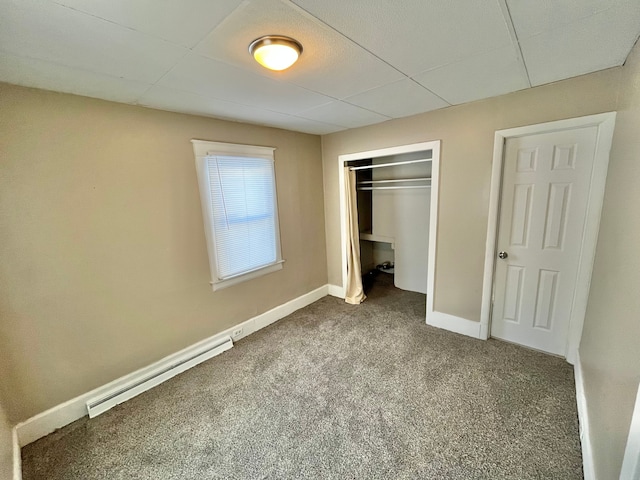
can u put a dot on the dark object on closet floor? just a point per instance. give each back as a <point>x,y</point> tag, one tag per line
<point>368,279</point>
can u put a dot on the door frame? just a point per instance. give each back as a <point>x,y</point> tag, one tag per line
<point>434,146</point>
<point>605,123</point>
<point>631,460</point>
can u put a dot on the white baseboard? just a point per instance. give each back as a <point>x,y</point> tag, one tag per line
<point>583,420</point>
<point>336,291</point>
<point>17,457</point>
<point>281,311</point>
<point>455,324</point>
<point>46,422</point>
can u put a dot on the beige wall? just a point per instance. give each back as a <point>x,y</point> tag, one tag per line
<point>6,447</point>
<point>103,262</point>
<point>610,349</point>
<point>467,134</point>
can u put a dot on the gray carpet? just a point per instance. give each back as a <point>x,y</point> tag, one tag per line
<point>336,391</point>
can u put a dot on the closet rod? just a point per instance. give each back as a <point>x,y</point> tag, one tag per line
<point>397,187</point>
<point>392,164</point>
<point>398,180</point>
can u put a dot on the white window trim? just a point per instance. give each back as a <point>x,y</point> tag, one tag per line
<point>203,149</point>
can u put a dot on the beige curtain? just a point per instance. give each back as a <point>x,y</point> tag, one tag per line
<point>354,292</point>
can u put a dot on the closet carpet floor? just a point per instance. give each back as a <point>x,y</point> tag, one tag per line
<point>337,391</point>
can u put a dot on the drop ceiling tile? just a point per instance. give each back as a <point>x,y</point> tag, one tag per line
<point>594,43</point>
<point>329,64</point>
<point>304,125</point>
<point>49,76</point>
<point>343,114</point>
<point>178,101</point>
<point>165,98</point>
<point>398,99</point>
<point>196,17</point>
<point>214,79</point>
<point>531,18</point>
<point>47,31</point>
<point>482,76</point>
<point>415,35</point>
<point>115,50</point>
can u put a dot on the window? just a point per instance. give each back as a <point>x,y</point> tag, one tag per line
<point>238,193</point>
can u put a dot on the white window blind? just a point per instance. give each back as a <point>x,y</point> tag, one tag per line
<point>243,204</point>
<point>240,210</point>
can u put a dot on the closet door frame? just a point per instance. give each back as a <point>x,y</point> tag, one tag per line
<point>434,147</point>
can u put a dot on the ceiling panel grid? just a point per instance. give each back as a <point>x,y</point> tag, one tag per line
<point>364,61</point>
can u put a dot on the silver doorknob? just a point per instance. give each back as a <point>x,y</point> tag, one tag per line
<point>503,255</point>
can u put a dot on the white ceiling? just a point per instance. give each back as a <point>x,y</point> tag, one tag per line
<point>364,61</point>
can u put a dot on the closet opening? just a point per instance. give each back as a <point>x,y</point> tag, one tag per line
<point>396,205</point>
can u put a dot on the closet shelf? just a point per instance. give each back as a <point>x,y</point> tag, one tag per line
<point>397,180</point>
<point>391,164</point>
<point>371,237</point>
<point>397,187</point>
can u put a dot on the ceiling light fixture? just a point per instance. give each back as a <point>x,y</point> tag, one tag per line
<point>275,52</point>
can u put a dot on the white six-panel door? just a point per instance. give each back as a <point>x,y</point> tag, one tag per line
<point>545,190</point>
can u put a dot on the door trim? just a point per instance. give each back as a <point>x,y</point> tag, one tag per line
<point>605,123</point>
<point>434,146</point>
<point>631,460</point>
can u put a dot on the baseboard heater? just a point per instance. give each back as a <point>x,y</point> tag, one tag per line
<point>148,378</point>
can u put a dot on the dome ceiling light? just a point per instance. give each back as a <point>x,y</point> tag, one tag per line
<point>275,52</point>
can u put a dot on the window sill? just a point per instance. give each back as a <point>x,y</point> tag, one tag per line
<point>220,284</point>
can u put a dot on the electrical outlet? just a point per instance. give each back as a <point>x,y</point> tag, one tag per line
<point>237,333</point>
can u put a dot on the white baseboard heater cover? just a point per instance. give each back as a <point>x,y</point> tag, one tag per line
<point>164,371</point>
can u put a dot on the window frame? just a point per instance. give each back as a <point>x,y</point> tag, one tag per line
<point>203,149</point>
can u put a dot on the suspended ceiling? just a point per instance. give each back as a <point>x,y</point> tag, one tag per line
<point>364,61</point>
